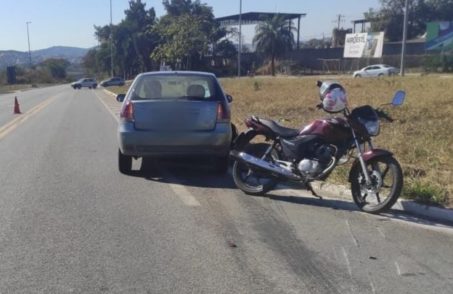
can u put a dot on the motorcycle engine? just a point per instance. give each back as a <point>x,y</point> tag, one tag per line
<point>313,165</point>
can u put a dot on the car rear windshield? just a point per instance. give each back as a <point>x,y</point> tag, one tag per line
<point>172,87</point>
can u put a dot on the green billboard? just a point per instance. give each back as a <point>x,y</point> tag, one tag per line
<point>439,36</point>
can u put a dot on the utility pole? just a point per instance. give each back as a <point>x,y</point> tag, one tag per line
<point>28,37</point>
<point>339,20</point>
<point>111,41</point>
<point>403,46</point>
<point>240,38</point>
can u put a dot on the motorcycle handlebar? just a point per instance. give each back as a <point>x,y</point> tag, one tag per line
<point>384,115</point>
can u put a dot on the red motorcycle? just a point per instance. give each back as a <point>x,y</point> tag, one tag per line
<point>312,153</point>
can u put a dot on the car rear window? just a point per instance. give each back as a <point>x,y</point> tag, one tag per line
<point>174,87</point>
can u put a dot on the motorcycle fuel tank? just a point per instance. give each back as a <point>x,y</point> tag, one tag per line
<point>331,129</point>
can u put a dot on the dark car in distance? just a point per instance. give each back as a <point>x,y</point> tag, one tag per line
<point>114,81</point>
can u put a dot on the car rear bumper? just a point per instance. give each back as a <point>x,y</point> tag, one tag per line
<point>137,143</point>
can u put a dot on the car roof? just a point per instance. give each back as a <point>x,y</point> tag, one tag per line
<point>178,72</point>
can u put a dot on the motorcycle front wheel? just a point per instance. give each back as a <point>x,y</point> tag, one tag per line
<point>386,184</point>
<point>251,181</point>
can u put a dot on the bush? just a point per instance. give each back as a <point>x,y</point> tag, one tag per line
<point>439,63</point>
<point>426,193</point>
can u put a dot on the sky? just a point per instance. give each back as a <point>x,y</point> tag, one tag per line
<point>70,22</point>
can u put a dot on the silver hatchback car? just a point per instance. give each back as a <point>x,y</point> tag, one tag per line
<point>174,114</point>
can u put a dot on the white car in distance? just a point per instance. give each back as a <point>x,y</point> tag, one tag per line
<point>376,70</point>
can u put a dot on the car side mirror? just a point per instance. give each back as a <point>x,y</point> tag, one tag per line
<point>120,97</point>
<point>229,98</point>
<point>399,97</point>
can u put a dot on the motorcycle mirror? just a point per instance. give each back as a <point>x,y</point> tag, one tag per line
<point>399,97</point>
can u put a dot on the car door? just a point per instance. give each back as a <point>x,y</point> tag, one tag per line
<point>366,71</point>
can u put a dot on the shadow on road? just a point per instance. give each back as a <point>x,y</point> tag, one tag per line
<point>338,204</point>
<point>189,172</point>
<point>308,200</point>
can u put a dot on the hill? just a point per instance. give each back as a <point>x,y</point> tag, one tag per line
<point>72,54</point>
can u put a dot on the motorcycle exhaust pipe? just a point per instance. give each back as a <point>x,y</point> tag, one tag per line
<point>257,163</point>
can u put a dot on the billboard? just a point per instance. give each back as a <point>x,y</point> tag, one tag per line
<point>439,36</point>
<point>364,45</point>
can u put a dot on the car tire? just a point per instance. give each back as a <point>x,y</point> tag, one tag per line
<point>220,164</point>
<point>357,76</point>
<point>124,163</point>
<point>380,75</point>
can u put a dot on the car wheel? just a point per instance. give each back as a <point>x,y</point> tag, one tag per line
<point>220,164</point>
<point>124,163</point>
<point>357,76</point>
<point>380,75</point>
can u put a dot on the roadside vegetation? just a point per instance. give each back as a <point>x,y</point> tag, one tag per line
<point>50,71</point>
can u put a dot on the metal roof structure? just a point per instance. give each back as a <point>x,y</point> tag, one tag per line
<point>250,18</point>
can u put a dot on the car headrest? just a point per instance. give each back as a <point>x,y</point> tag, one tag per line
<point>196,91</point>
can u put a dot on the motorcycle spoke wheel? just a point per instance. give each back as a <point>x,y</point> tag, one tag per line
<point>386,184</point>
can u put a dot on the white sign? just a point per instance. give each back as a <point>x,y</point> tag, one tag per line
<point>364,45</point>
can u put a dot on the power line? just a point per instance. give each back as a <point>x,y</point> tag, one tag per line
<point>340,19</point>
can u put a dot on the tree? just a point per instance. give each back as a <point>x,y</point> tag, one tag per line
<point>274,37</point>
<point>56,67</point>
<point>389,18</point>
<point>187,33</point>
<point>133,41</point>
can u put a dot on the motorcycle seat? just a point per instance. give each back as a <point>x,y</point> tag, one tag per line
<point>280,130</point>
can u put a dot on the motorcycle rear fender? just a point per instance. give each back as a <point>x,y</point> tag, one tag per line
<point>369,155</point>
<point>243,138</point>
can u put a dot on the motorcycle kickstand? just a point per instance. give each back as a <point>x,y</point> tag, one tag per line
<point>310,188</point>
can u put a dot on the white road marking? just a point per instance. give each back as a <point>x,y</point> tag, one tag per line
<point>348,264</point>
<point>108,107</point>
<point>373,288</point>
<point>398,270</point>
<point>185,195</point>
<point>381,232</point>
<point>354,239</point>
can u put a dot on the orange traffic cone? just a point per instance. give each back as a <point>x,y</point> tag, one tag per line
<point>16,106</point>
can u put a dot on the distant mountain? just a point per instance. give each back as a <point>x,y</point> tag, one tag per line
<point>72,54</point>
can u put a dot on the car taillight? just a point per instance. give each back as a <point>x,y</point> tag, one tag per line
<point>222,114</point>
<point>127,112</point>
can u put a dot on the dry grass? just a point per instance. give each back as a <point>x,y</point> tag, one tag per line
<point>421,138</point>
<point>13,88</point>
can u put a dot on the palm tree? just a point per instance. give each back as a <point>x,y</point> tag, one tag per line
<point>273,37</point>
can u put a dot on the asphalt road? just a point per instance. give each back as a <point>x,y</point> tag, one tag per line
<point>71,223</point>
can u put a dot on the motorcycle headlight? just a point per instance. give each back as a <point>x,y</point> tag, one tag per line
<point>372,127</point>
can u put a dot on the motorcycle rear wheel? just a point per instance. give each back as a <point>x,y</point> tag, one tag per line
<point>250,181</point>
<point>372,200</point>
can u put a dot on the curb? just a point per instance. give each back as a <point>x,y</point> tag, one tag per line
<point>408,206</point>
<point>109,92</point>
